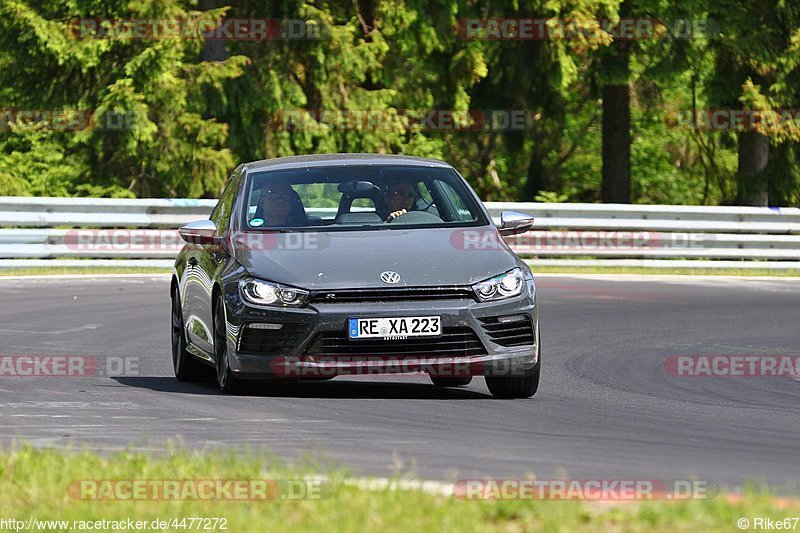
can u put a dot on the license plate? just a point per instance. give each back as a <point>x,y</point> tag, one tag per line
<point>394,328</point>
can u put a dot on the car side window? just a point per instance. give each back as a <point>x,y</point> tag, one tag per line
<point>221,215</point>
<point>425,201</point>
<point>424,193</point>
<point>462,212</point>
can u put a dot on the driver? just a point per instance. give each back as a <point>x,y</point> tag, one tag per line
<point>276,205</point>
<point>399,198</point>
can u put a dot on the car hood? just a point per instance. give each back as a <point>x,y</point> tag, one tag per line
<point>355,259</point>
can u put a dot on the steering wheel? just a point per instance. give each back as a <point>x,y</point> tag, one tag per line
<point>417,217</point>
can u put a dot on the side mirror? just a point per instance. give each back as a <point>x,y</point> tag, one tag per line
<point>199,232</point>
<point>514,223</point>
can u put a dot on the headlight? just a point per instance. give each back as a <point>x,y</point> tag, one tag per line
<point>258,292</point>
<point>500,287</point>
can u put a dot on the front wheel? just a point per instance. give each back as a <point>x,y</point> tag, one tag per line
<point>225,379</point>
<point>524,386</point>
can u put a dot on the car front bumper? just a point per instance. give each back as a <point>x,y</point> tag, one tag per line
<point>297,353</point>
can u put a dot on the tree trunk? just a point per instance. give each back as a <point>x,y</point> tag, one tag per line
<point>213,49</point>
<point>616,93</point>
<point>537,177</point>
<point>616,144</point>
<point>752,186</point>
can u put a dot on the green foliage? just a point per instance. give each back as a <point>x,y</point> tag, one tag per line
<point>45,484</point>
<point>170,118</point>
<point>149,136</point>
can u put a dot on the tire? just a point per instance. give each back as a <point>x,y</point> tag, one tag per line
<point>226,381</point>
<point>186,367</point>
<point>524,386</point>
<point>458,381</point>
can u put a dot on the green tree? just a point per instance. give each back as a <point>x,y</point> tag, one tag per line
<point>756,59</point>
<point>148,134</point>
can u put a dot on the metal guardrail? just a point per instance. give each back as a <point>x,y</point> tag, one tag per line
<point>88,230</point>
<point>29,212</point>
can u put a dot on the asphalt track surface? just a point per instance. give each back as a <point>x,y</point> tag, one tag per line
<point>606,409</point>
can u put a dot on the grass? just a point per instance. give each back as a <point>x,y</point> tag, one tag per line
<point>34,483</point>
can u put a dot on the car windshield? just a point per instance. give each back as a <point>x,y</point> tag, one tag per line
<point>359,197</point>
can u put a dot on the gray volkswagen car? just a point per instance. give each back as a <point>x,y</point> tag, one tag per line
<point>313,267</point>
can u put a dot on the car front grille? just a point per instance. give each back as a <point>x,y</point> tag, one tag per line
<point>454,342</point>
<point>392,295</point>
<point>270,341</point>
<point>504,333</point>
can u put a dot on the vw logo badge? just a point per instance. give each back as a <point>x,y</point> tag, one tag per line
<point>390,277</point>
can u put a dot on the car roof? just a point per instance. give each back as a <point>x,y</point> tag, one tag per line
<point>324,160</point>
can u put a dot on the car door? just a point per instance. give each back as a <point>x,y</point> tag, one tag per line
<point>202,264</point>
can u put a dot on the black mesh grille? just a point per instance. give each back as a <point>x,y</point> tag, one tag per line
<point>454,342</point>
<point>517,333</point>
<point>270,341</point>
<point>392,295</point>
